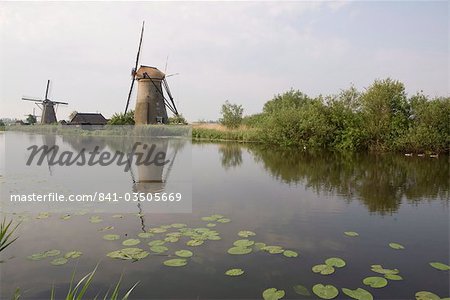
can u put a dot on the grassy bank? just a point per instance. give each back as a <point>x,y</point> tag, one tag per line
<point>217,132</point>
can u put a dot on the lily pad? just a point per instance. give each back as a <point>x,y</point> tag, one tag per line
<point>246,233</point>
<point>66,217</point>
<point>351,233</point>
<point>301,290</point>
<point>157,230</point>
<point>239,250</point>
<point>117,216</point>
<point>43,215</point>
<point>37,256</point>
<point>184,253</point>
<point>393,277</point>
<point>379,269</point>
<point>50,253</point>
<point>335,262</point>
<point>224,220</point>
<point>234,272</point>
<point>106,228</point>
<point>375,282</point>
<point>175,262</point>
<point>73,254</point>
<point>129,254</point>
<point>171,239</point>
<point>178,225</point>
<point>156,243</point>
<point>323,269</point>
<point>111,237</point>
<point>131,242</point>
<point>208,219</point>
<point>95,219</point>
<point>145,235</point>
<point>359,294</point>
<point>59,261</point>
<point>396,246</point>
<point>290,253</point>
<point>243,243</point>
<point>273,249</point>
<point>440,266</point>
<point>194,243</point>
<point>211,225</point>
<point>159,249</point>
<point>325,291</point>
<point>424,295</point>
<point>273,294</point>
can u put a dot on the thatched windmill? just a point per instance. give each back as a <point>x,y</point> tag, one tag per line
<point>151,102</point>
<point>47,106</point>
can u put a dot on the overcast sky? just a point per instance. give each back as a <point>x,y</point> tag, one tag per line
<point>244,52</point>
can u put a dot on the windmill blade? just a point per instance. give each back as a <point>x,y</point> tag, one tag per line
<point>46,90</point>
<point>165,67</point>
<point>135,67</point>
<point>57,102</point>
<point>31,99</point>
<point>174,74</point>
<point>166,86</point>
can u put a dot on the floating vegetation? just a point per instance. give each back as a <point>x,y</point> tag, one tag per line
<point>156,243</point>
<point>301,290</point>
<point>159,249</point>
<point>95,219</point>
<point>273,294</point>
<point>111,237</point>
<point>129,254</point>
<point>393,277</point>
<point>157,230</point>
<point>184,253</point>
<point>145,235</point>
<point>440,266</point>
<point>117,216</point>
<point>290,253</point>
<point>239,250</point>
<point>50,253</point>
<point>375,282</point>
<point>359,294</point>
<point>37,256</point>
<point>194,243</point>
<point>178,225</point>
<point>351,233</point>
<point>273,249</point>
<point>335,262</point>
<point>379,269</point>
<point>325,291</point>
<point>175,262</point>
<point>208,219</point>
<point>396,246</point>
<point>131,242</point>
<point>73,254</point>
<point>106,228</point>
<point>246,233</point>
<point>424,295</point>
<point>43,215</point>
<point>323,269</point>
<point>224,220</point>
<point>259,246</point>
<point>243,243</point>
<point>65,217</point>
<point>234,272</point>
<point>211,225</point>
<point>59,261</point>
<point>171,239</point>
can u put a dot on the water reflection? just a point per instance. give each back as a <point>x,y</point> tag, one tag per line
<point>380,182</point>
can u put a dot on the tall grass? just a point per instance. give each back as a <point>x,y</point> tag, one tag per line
<point>6,232</point>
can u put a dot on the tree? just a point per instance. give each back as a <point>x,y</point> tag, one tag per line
<point>31,119</point>
<point>231,115</point>
<point>2,124</point>
<point>122,119</point>
<point>291,99</point>
<point>179,119</point>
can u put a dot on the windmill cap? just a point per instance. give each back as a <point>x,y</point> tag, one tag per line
<point>152,72</point>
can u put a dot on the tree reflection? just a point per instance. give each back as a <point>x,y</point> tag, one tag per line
<point>380,182</point>
<point>231,155</point>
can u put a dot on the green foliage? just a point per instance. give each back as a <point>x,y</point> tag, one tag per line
<point>231,115</point>
<point>292,99</point>
<point>6,232</point>
<point>31,119</point>
<point>178,119</point>
<point>2,124</point>
<point>122,119</point>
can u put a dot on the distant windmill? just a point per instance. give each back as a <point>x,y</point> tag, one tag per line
<point>151,102</point>
<point>47,106</point>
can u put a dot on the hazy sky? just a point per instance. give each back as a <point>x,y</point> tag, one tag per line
<point>244,52</point>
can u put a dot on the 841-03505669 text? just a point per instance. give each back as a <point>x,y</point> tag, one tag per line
<point>97,197</point>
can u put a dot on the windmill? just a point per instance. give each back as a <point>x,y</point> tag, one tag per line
<point>151,103</point>
<point>47,106</point>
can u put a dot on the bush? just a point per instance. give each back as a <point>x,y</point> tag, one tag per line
<point>231,115</point>
<point>122,119</point>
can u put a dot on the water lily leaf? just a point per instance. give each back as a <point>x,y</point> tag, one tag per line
<point>214,238</point>
<point>95,219</point>
<point>175,262</point>
<point>159,249</point>
<point>145,235</point>
<point>273,249</point>
<point>351,233</point>
<point>273,294</point>
<point>157,230</point>
<point>208,219</point>
<point>243,243</point>
<point>359,294</point>
<point>379,269</point>
<point>234,272</point>
<point>224,220</point>
<point>111,237</point>
<point>239,250</point>
<point>129,254</point>
<point>424,295</point>
<point>216,216</point>
<point>246,233</point>
<point>323,269</point>
<point>396,246</point>
<point>184,253</point>
<point>335,262</point>
<point>290,253</point>
<point>106,228</point>
<point>156,243</point>
<point>171,239</point>
<point>211,225</point>
<point>259,246</point>
<point>194,243</point>
<point>375,282</point>
<point>59,261</point>
<point>178,225</point>
<point>440,266</point>
<point>166,226</point>
<point>43,215</point>
<point>131,242</point>
<point>73,254</point>
<point>301,290</point>
<point>37,256</point>
<point>393,277</point>
<point>66,217</point>
<point>117,216</point>
<point>325,291</point>
<point>50,253</point>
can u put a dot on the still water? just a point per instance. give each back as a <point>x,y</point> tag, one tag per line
<point>294,199</point>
